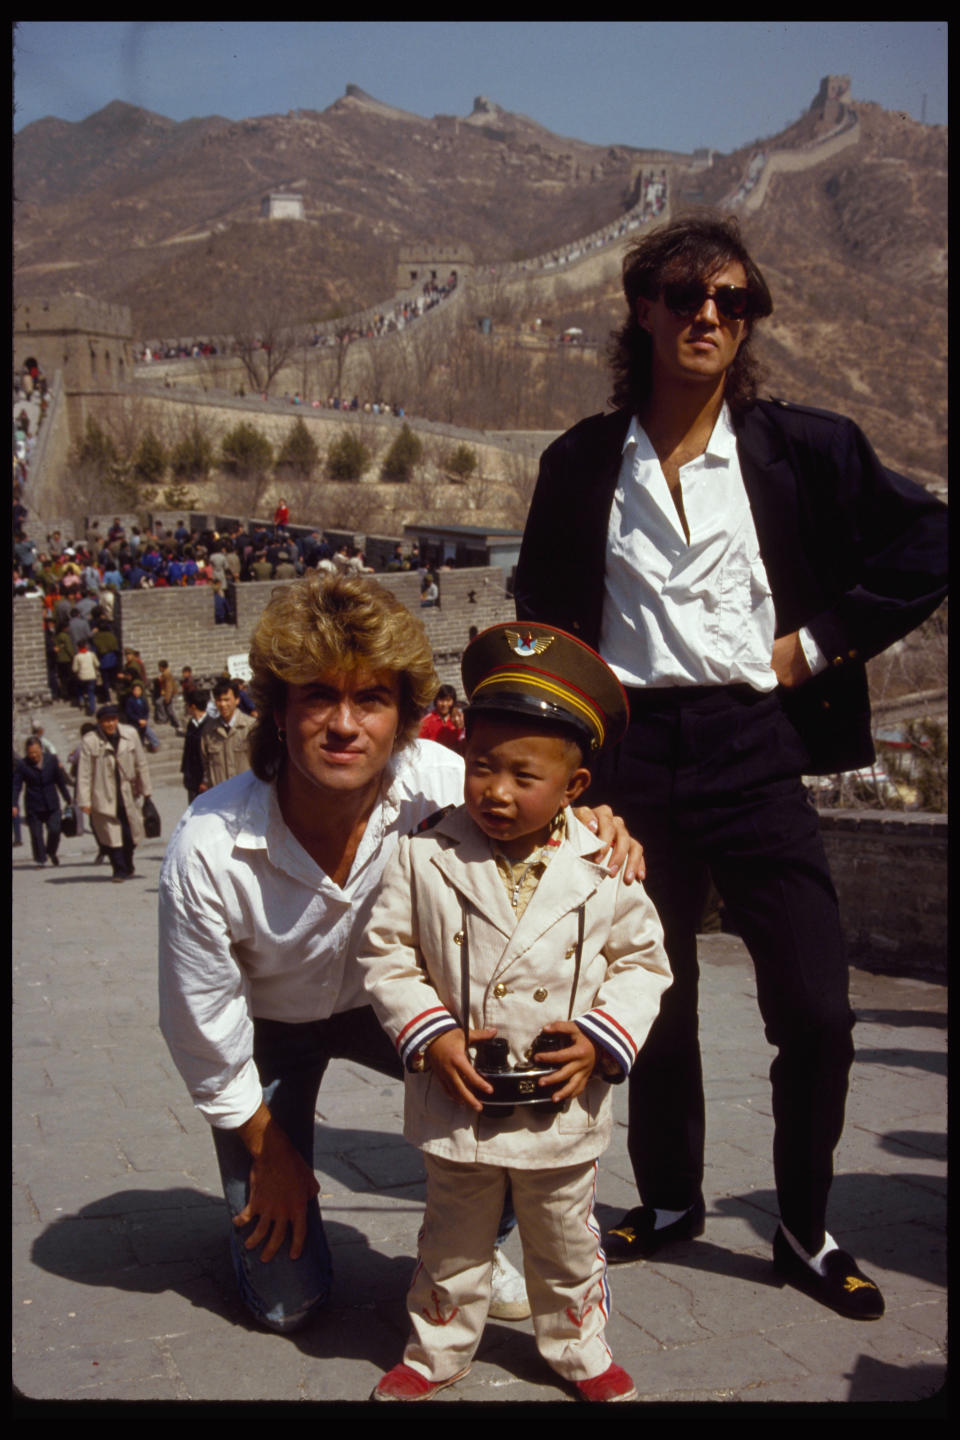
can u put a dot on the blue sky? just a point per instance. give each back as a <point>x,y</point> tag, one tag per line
<point>675,84</point>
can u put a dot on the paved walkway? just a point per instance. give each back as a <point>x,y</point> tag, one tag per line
<point>122,1288</point>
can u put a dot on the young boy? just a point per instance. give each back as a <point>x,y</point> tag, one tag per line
<point>495,924</point>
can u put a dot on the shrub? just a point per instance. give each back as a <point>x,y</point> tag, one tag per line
<point>245,451</point>
<point>95,450</point>
<point>404,455</point>
<point>179,497</point>
<point>192,455</point>
<point>347,457</point>
<point>149,460</point>
<point>460,463</point>
<point>300,453</point>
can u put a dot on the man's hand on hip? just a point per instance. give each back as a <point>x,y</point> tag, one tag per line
<point>789,661</point>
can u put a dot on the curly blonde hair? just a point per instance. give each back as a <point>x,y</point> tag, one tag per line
<point>340,623</point>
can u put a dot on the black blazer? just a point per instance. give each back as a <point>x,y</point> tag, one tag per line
<point>852,550</point>
<point>42,783</point>
<point>191,764</point>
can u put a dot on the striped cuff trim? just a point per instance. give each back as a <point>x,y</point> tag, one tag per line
<point>610,1035</point>
<point>423,1028</point>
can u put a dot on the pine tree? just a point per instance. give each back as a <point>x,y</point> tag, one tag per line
<point>404,455</point>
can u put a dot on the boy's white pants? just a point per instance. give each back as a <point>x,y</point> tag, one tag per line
<point>563,1263</point>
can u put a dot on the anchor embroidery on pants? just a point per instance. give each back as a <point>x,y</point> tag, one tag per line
<point>577,1317</point>
<point>438,1318</point>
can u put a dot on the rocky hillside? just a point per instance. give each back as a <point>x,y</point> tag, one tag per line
<point>855,252</point>
<point>164,217</point>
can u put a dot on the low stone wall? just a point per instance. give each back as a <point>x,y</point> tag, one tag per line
<point>29,651</point>
<point>178,624</point>
<point>890,870</point>
<point>467,597</point>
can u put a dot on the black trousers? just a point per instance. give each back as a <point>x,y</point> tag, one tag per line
<point>708,780</point>
<point>35,824</point>
<point>121,856</point>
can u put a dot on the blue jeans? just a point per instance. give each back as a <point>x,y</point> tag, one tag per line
<point>285,1294</point>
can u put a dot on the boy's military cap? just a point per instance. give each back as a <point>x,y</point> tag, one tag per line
<point>538,672</point>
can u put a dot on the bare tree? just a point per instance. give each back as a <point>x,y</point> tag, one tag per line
<point>265,339</point>
<point>343,337</point>
<point>355,506</point>
<point>915,663</point>
<point>520,472</point>
<point>423,496</point>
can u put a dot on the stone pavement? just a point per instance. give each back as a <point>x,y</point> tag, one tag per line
<point>122,1286</point>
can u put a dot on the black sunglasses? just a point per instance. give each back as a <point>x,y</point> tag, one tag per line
<point>685,299</point>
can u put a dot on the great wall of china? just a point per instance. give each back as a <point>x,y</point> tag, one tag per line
<point>890,869</point>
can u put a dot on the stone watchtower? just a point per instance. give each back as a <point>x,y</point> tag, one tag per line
<point>89,344</point>
<point>88,340</point>
<point>831,101</point>
<point>429,260</point>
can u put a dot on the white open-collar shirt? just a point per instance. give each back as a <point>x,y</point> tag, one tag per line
<point>251,926</point>
<point>679,612</point>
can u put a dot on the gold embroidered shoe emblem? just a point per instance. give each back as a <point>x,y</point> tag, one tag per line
<point>626,1232</point>
<point>853,1282</point>
<point>525,644</point>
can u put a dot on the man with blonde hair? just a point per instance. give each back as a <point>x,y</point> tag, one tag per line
<point>265,892</point>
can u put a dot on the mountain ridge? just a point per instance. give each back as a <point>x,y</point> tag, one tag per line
<point>164,216</point>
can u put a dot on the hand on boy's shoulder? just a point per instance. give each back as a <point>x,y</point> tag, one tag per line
<point>613,836</point>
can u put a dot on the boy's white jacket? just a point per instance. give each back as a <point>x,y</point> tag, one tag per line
<point>521,976</point>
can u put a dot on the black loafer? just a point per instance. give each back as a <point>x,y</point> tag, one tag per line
<point>636,1239</point>
<point>843,1288</point>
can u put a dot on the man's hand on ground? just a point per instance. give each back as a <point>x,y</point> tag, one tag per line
<point>281,1187</point>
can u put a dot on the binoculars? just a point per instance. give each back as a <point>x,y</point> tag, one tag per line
<point>517,1084</point>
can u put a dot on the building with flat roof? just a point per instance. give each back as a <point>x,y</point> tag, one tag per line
<point>466,545</point>
<point>282,205</point>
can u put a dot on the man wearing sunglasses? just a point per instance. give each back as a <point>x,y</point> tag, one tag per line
<point>739,562</point>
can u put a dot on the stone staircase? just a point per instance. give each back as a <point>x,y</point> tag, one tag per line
<point>61,726</point>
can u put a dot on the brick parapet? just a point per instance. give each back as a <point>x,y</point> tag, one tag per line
<point>178,624</point>
<point>890,872</point>
<point>889,868</point>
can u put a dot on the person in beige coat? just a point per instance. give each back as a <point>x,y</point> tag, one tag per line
<point>112,777</point>
<point>225,746</point>
<point>496,923</point>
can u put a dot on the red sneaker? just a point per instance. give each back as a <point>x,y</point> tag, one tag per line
<point>613,1384</point>
<point>404,1383</point>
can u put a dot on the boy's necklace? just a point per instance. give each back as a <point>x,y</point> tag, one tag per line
<point>527,866</point>
<point>509,869</point>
